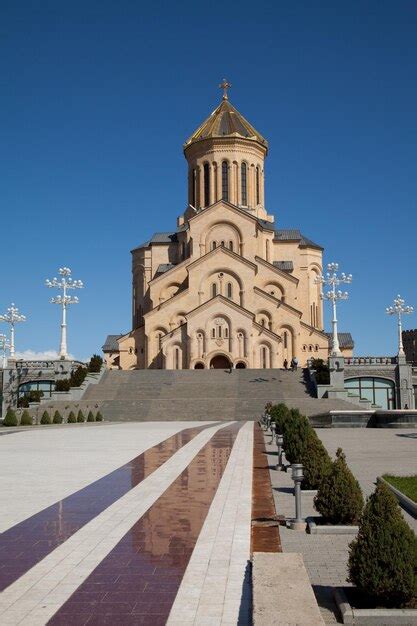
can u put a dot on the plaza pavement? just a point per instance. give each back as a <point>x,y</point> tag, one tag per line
<point>138,523</point>
<point>369,453</point>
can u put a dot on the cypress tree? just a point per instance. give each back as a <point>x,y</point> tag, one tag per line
<point>26,419</point>
<point>45,419</point>
<point>10,418</point>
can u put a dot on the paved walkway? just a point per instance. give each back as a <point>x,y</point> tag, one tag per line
<point>139,524</point>
<point>370,453</point>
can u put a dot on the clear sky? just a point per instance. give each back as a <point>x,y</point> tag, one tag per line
<point>97,99</point>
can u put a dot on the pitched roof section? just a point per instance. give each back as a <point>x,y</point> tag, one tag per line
<point>226,121</point>
<point>293,234</point>
<point>285,266</point>
<point>158,238</point>
<point>345,339</point>
<point>111,345</point>
<point>164,267</point>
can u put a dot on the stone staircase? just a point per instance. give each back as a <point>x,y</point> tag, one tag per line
<point>142,395</point>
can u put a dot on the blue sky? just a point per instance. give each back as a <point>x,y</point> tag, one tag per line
<point>97,98</point>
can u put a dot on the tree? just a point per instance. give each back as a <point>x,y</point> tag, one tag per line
<point>339,498</point>
<point>57,418</point>
<point>95,363</point>
<point>10,418</point>
<point>90,417</point>
<point>78,376</point>
<point>46,418</point>
<point>295,430</point>
<point>63,384</point>
<point>322,372</point>
<point>80,416</point>
<point>383,557</point>
<point>279,413</point>
<point>316,461</point>
<point>71,418</point>
<point>26,419</point>
<point>99,417</point>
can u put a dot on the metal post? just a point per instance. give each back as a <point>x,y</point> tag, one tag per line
<point>65,283</point>
<point>280,443</point>
<point>333,280</point>
<point>399,309</point>
<point>297,475</point>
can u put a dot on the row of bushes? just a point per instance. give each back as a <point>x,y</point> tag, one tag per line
<point>383,557</point>
<point>11,418</point>
<point>339,497</point>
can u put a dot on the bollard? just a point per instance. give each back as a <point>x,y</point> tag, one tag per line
<point>280,442</point>
<point>297,475</point>
<point>272,427</point>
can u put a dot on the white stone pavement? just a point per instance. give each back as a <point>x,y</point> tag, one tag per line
<point>38,594</point>
<point>215,589</point>
<point>44,465</point>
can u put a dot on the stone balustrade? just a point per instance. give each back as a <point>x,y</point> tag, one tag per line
<point>370,360</point>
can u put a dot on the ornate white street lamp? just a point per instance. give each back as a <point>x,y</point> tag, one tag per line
<point>333,280</point>
<point>12,317</point>
<point>65,283</point>
<point>4,346</point>
<point>399,309</point>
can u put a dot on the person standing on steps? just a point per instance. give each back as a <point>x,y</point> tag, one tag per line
<point>285,364</point>
<point>294,363</point>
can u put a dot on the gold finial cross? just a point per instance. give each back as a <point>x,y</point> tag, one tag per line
<point>225,86</point>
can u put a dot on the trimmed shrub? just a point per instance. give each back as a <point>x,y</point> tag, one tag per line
<point>316,461</point>
<point>71,418</point>
<point>62,385</point>
<point>26,419</point>
<point>339,499</point>
<point>322,374</point>
<point>10,418</point>
<point>78,376</point>
<point>95,363</point>
<point>99,417</point>
<point>80,416</point>
<point>46,418</point>
<point>383,557</point>
<point>90,417</point>
<point>295,430</point>
<point>23,403</point>
<point>57,418</point>
<point>279,413</point>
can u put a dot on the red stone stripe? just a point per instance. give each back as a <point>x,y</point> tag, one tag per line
<point>30,541</point>
<point>138,580</point>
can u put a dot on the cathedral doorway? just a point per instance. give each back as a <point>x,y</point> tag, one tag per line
<point>240,365</point>
<point>220,362</point>
<point>199,366</point>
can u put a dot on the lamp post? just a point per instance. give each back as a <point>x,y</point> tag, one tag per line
<point>4,346</point>
<point>64,300</point>
<point>399,309</point>
<point>297,475</point>
<point>12,317</point>
<point>333,280</point>
<point>280,444</point>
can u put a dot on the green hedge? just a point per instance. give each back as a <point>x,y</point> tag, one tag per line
<point>26,419</point>
<point>383,557</point>
<point>10,418</point>
<point>46,418</point>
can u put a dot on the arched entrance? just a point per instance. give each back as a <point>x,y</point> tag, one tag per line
<point>220,362</point>
<point>240,365</point>
<point>199,366</point>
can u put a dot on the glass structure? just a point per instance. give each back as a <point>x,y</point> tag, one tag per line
<point>379,391</point>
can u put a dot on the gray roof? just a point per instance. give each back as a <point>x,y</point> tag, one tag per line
<point>265,224</point>
<point>345,339</point>
<point>285,266</point>
<point>164,267</point>
<point>159,238</point>
<point>293,234</point>
<point>111,345</point>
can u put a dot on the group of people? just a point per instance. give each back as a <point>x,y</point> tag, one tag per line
<point>293,364</point>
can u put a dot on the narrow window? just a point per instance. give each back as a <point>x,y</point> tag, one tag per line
<point>213,245</point>
<point>214,290</point>
<point>177,358</point>
<point>257,184</point>
<point>231,245</point>
<point>285,340</point>
<point>219,331</point>
<point>229,290</point>
<point>206,184</point>
<point>244,184</point>
<point>193,187</point>
<point>225,181</point>
<point>222,244</point>
<point>213,333</point>
<point>226,332</point>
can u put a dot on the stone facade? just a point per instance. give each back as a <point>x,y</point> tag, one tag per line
<point>227,288</point>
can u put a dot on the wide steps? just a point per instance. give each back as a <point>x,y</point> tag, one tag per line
<point>141,395</point>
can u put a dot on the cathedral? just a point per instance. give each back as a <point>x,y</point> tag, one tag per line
<point>226,288</point>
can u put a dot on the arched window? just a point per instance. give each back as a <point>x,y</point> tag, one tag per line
<point>285,340</point>
<point>263,357</point>
<point>214,290</point>
<point>206,184</point>
<point>225,181</point>
<point>222,244</point>
<point>267,250</point>
<point>244,186</point>
<point>177,358</point>
<point>193,187</point>
<point>213,245</point>
<point>213,333</point>
<point>229,290</point>
<point>231,245</point>
<point>257,184</point>
<point>226,332</point>
<point>379,391</point>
